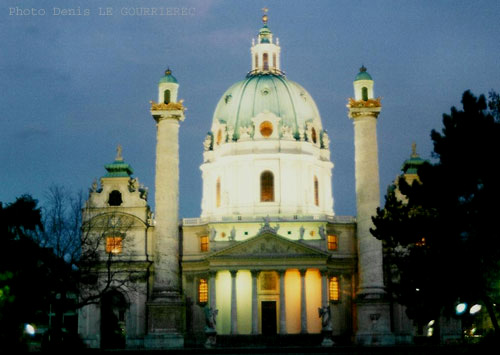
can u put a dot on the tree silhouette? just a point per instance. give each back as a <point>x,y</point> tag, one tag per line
<point>441,240</point>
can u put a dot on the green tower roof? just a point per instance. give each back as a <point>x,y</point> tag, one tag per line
<point>118,168</point>
<point>410,166</point>
<point>168,77</point>
<point>363,74</point>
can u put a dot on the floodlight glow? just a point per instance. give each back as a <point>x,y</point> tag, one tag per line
<point>474,309</point>
<point>431,323</point>
<point>461,308</point>
<point>29,329</point>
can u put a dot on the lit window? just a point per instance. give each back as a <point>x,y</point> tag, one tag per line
<point>202,291</point>
<point>204,243</point>
<point>266,128</point>
<point>420,243</point>
<point>217,193</point>
<point>219,137</point>
<point>316,191</point>
<point>334,288</point>
<point>114,245</point>
<point>333,242</point>
<point>267,187</point>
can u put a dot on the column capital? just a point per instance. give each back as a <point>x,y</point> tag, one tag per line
<point>255,273</point>
<point>281,272</point>
<point>233,273</point>
<point>212,273</point>
<point>302,272</point>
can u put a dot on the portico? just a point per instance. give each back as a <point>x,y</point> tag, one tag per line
<point>266,285</point>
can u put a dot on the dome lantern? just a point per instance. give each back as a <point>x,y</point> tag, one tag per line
<point>265,51</point>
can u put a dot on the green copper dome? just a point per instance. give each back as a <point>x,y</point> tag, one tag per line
<point>168,78</point>
<point>266,92</point>
<point>363,74</point>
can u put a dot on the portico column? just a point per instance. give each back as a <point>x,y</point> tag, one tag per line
<point>324,288</point>
<point>234,309</point>
<point>303,302</point>
<point>282,302</point>
<point>212,275</point>
<point>255,303</point>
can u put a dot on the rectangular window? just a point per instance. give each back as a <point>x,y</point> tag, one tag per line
<point>204,243</point>
<point>202,291</point>
<point>333,242</point>
<point>334,288</point>
<point>114,245</point>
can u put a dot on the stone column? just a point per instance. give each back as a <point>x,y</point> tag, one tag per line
<point>213,301</point>
<point>166,309</point>
<point>234,308</point>
<point>282,302</point>
<point>370,298</point>
<point>303,302</point>
<point>255,302</point>
<point>324,288</point>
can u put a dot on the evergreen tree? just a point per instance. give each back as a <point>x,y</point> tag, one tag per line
<point>442,243</point>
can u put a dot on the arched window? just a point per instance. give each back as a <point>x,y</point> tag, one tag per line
<point>314,136</point>
<point>217,193</point>
<point>364,93</point>
<point>115,198</point>
<point>202,291</point>
<point>267,187</point>
<point>166,96</point>
<point>316,191</point>
<point>219,136</point>
<point>204,243</point>
<point>265,59</point>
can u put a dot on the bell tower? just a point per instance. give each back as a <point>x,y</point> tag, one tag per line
<point>166,307</point>
<point>373,316</point>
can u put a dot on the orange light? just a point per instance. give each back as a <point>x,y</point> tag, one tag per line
<point>114,245</point>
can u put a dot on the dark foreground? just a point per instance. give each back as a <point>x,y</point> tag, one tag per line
<point>336,349</point>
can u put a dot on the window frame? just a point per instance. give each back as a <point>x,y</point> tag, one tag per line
<point>332,244</point>
<point>202,291</point>
<point>204,243</point>
<point>334,289</point>
<point>267,186</point>
<point>114,244</point>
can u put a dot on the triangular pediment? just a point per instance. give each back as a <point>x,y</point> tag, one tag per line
<point>269,245</point>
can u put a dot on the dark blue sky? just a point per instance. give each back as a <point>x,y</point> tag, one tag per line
<point>74,87</point>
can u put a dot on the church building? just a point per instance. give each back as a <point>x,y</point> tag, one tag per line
<point>267,254</point>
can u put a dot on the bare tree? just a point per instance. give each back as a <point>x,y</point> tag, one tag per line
<point>93,242</point>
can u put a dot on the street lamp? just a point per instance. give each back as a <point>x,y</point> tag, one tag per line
<point>460,308</point>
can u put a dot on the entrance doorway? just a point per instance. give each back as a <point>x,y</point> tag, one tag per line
<point>113,308</point>
<point>268,317</point>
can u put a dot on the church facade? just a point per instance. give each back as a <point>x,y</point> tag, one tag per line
<point>268,255</point>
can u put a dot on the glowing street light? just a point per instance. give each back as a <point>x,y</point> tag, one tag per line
<point>29,329</point>
<point>474,309</point>
<point>460,308</point>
